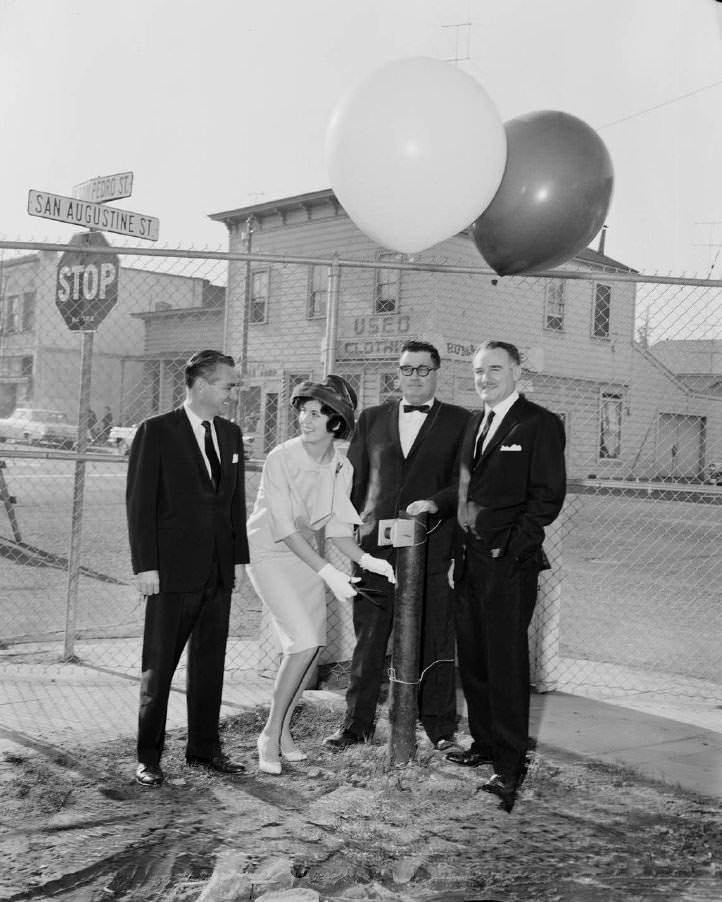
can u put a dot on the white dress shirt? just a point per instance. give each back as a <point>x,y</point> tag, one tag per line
<point>200,434</point>
<point>410,424</point>
<point>500,411</point>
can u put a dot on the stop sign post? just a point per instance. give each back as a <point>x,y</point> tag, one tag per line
<point>87,283</point>
<point>86,291</point>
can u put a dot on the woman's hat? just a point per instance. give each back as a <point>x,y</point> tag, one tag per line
<point>334,392</point>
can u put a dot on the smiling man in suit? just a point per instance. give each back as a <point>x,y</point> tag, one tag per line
<point>512,483</point>
<point>401,451</point>
<point>185,499</point>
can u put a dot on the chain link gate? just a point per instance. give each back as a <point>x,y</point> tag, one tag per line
<point>631,608</point>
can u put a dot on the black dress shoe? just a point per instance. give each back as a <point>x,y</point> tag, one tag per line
<point>468,758</point>
<point>148,775</point>
<point>504,788</point>
<point>342,739</point>
<point>218,762</point>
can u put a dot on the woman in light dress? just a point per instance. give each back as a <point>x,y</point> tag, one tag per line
<point>305,488</point>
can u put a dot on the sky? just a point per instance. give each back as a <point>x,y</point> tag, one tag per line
<point>217,104</point>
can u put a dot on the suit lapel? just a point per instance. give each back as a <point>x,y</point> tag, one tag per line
<point>226,451</point>
<point>507,424</point>
<point>188,439</point>
<point>426,427</point>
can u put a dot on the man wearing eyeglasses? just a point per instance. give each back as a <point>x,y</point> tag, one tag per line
<point>403,451</point>
<point>185,498</point>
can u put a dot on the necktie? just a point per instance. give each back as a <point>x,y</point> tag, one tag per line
<point>210,450</point>
<point>422,408</point>
<point>482,436</point>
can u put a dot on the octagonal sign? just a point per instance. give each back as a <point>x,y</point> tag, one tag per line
<point>86,287</point>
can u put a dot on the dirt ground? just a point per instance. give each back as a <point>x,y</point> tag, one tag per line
<point>76,827</point>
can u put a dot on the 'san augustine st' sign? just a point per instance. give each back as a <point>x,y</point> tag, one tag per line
<point>92,216</point>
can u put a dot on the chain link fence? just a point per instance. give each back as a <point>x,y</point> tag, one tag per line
<point>632,364</point>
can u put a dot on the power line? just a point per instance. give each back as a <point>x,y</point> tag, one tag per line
<point>659,106</point>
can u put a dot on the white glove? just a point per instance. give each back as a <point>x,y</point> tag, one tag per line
<point>339,583</point>
<point>377,565</point>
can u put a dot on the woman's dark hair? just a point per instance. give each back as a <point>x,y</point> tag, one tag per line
<point>336,425</point>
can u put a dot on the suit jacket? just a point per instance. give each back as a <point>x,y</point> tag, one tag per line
<point>385,481</point>
<point>176,520</point>
<point>518,485</point>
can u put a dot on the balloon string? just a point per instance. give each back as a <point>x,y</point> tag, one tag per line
<point>393,678</point>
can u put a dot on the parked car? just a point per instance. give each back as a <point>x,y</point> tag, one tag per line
<point>121,438</point>
<point>38,427</point>
<point>713,476</point>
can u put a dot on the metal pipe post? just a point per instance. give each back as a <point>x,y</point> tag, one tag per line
<point>76,527</point>
<point>404,689</point>
<point>328,354</point>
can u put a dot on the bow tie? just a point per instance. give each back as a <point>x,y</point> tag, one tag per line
<point>422,408</point>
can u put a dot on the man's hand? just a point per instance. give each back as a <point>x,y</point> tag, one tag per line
<point>148,582</point>
<point>422,507</point>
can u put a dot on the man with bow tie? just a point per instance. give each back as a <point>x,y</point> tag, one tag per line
<point>402,451</point>
<point>512,483</point>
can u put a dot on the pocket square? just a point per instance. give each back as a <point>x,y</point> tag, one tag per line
<point>235,459</point>
<point>510,448</point>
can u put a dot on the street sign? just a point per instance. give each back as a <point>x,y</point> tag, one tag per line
<point>86,287</point>
<point>106,187</point>
<point>92,216</point>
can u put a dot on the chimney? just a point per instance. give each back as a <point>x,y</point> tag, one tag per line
<point>602,237</point>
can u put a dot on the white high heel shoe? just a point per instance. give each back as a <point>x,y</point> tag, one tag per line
<point>266,764</point>
<point>291,752</point>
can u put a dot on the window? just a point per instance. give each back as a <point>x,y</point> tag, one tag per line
<point>388,284</point>
<point>28,323</point>
<point>317,291</point>
<point>354,380</point>
<point>12,314</point>
<point>602,306</point>
<point>258,309</point>
<point>389,387</point>
<point>610,426</point>
<point>554,306</point>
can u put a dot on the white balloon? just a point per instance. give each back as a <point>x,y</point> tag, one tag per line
<point>415,153</point>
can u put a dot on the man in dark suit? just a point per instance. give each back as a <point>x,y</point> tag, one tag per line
<point>400,452</point>
<point>512,484</point>
<point>185,499</point>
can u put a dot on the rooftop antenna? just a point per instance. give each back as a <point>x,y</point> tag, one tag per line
<point>461,35</point>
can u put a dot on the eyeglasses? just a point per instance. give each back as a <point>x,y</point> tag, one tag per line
<point>421,370</point>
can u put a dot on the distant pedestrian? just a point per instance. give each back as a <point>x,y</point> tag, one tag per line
<point>92,423</point>
<point>107,424</point>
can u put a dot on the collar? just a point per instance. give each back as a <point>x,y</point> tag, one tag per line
<point>503,407</point>
<point>195,420</point>
<point>431,401</point>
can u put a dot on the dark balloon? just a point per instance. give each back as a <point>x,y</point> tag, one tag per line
<point>553,197</point>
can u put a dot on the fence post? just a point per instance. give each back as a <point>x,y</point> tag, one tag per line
<point>328,352</point>
<point>9,502</point>
<point>404,683</point>
<point>76,525</point>
<point>545,628</point>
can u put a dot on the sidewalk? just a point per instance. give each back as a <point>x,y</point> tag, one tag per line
<point>66,705</point>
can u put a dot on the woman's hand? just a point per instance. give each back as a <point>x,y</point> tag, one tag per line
<point>377,565</point>
<point>339,583</point>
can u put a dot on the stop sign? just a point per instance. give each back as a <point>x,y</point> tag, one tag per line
<point>87,284</point>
